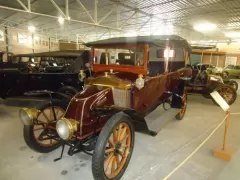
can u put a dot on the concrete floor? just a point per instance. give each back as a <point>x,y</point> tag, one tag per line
<point>153,157</point>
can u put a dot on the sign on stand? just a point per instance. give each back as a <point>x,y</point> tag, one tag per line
<point>220,101</point>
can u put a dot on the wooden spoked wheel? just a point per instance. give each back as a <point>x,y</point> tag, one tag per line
<point>227,93</point>
<point>117,150</point>
<point>184,101</point>
<point>45,120</point>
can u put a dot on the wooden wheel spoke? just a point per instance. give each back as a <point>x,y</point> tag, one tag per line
<point>45,116</point>
<point>122,134</point>
<point>118,160</point>
<point>115,136</point>
<point>38,129</point>
<point>125,146</point>
<point>56,112</point>
<point>108,158</point>
<point>119,132</point>
<point>109,150</point>
<point>109,166</point>
<point>51,113</point>
<point>110,143</point>
<point>113,164</point>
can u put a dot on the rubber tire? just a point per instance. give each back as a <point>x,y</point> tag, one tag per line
<point>233,82</point>
<point>70,89</point>
<point>28,130</point>
<point>178,116</point>
<point>234,99</point>
<point>98,155</point>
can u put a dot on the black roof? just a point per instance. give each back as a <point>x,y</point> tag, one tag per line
<point>163,40</point>
<point>65,53</point>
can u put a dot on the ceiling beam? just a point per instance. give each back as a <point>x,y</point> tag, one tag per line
<point>56,17</point>
<point>128,20</point>
<point>23,6</point>
<point>106,15</point>
<point>84,8</point>
<point>58,8</point>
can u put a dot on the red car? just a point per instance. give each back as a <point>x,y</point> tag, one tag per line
<point>132,77</point>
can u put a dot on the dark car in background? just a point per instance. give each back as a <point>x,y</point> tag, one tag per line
<point>54,71</point>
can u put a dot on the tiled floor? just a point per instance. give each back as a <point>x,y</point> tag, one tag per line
<point>153,157</point>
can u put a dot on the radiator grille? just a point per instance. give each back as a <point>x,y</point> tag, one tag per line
<point>121,98</point>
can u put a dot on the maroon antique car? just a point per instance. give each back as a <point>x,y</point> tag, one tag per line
<point>133,78</point>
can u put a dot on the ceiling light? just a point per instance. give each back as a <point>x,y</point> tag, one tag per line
<point>36,37</point>
<point>232,34</point>
<point>69,18</point>
<point>31,28</point>
<point>61,20</point>
<point>205,27</point>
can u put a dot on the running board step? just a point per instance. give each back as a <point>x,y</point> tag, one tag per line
<point>157,119</point>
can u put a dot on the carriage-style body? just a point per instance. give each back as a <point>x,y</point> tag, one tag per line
<point>132,78</point>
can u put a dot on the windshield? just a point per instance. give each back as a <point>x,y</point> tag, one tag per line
<point>133,56</point>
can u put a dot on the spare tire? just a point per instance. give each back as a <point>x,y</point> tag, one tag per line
<point>68,90</point>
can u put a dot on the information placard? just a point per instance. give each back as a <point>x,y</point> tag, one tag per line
<point>221,102</point>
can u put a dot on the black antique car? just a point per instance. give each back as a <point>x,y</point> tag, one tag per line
<point>132,78</point>
<point>204,82</point>
<point>54,71</point>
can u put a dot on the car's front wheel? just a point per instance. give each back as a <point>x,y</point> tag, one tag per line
<point>227,92</point>
<point>41,136</point>
<point>113,148</point>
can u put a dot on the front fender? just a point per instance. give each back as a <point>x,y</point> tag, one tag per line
<point>83,103</point>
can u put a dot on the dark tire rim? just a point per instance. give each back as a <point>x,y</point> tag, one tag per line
<point>117,150</point>
<point>44,119</point>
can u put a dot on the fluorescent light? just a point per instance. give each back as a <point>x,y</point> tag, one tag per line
<point>205,27</point>
<point>232,34</point>
<point>61,20</point>
<point>31,28</point>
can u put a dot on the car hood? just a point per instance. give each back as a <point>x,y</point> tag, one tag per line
<point>115,79</point>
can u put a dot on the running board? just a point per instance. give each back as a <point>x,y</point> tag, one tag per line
<point>23,101</point>
<point>157,119</point>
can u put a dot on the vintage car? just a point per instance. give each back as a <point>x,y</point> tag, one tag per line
<point>133,78</point>
<point>54,71</point>
<point>204,83</point>
<point>231,71</point>
<point>211,69</point>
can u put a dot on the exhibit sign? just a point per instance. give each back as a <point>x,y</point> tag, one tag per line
<point>220,101</point>
<point>1,35</point>
<point>230,60</point>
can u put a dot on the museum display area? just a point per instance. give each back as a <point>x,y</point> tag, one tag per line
<point>117,89</point>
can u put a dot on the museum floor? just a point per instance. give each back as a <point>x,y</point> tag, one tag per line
<point>153,157</point>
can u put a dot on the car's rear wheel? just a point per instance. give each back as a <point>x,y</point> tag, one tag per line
<point>182,111</point>
<point>227,92</point>
<point>41,136</point>
<point>113,148</point>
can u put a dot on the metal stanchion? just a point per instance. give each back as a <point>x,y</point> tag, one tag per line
<point>224,152</point>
